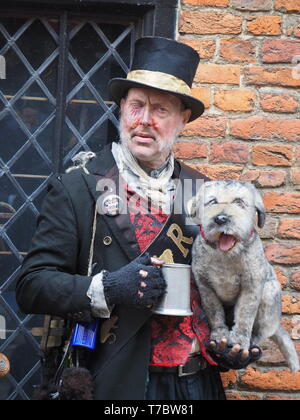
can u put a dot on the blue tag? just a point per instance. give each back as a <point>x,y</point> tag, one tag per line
<point>85,335</point>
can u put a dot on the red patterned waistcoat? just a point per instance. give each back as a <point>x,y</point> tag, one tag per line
<point>171,336</point>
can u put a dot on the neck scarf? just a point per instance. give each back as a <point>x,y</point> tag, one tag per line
<point>159,190</point>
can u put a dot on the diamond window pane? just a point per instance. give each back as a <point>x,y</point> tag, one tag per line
<point>21,231</point>
<point>87,47</point>
<point>12,24</point>
<point>35,51</point>
<point>34,107</point>
<point>17,74</point>
<point>12,137</point>
<point>10,196</point>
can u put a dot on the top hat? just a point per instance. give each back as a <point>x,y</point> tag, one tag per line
<point>162,64</point>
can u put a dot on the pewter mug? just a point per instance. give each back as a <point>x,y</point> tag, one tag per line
<point>176,301</point>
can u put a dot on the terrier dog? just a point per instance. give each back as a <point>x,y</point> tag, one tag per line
<point>231,269</point>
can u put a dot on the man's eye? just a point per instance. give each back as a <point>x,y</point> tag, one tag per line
<point>162,110</point>
<point>212,202</point>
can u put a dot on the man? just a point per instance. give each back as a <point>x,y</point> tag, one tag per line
<point>83,225</point>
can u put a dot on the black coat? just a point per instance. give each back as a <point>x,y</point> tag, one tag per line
<point>53,278</point>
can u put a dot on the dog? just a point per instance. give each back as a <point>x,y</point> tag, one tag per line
<point>231,270</point>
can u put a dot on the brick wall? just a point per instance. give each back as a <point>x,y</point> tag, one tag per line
<point>249,80</point>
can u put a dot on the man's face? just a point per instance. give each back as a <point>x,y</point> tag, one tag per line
<point>150,123</point>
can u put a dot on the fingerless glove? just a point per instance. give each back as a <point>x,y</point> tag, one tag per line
<point>125,286</point>
<point>226,362</point>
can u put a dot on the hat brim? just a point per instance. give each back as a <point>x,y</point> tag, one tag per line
<point>119,87</point>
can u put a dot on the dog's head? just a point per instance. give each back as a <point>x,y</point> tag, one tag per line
<point>227,212</point>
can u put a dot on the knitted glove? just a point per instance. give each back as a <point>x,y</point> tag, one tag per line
<point>127,287</point>
<point>227,362</point>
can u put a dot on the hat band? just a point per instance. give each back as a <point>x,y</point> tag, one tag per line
<point>159,80</point>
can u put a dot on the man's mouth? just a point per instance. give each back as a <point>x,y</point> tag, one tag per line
<point>226,242</point>
<point>146,136</point>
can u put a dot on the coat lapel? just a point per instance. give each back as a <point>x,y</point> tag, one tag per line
<point>103,172</point>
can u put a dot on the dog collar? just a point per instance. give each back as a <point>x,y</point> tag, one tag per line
<point>202,232</point>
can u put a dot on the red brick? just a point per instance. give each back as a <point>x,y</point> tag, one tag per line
<point>283,103</point>
<point>218,74</point>
<point>274,397</point>
<point>229,378</point>
<point>290,305</point>
<point>237,50</point>
<point>280,380</point>
<point>265,179</point>
<point>295,281</point>
<point>207,126</point>
<point>261,128</point>
<point>288,5</point>
<point>205,47</point>
<point>272,155</point>
<point>293,26</point>
<point>265,25</point>
<point>203,94</point>
<point>215,3</point>
<point>283,253</point>
<point>271,352</point>
<point>282,202</point>
<point>298,155</point>
<point>289,229</point>
<point>252,5</point>
<point>220,172</point>
<point>272,76</point>
<point>229,152</point>
<point>238,100</point>
<point>190,150</point>
<point>238,396</point>
<point>280,50</point>
<point>203,23</point>
<point>295,174</point>
<point>281,277</point>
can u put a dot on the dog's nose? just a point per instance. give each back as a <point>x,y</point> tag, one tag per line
<point>221,219</point>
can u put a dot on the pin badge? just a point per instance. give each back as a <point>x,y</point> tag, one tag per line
<point>112,205</point>
<point>4,365</point>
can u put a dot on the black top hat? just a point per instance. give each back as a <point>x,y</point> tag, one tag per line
<point>162,64</point>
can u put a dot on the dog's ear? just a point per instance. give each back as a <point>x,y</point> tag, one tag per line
<point>260,207</point>
<point>191,207</point>
<point>195,207</point>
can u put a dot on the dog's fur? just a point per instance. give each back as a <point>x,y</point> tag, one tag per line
<point>231,269</point>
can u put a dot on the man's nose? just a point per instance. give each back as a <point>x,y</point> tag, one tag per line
<point>146,117</point>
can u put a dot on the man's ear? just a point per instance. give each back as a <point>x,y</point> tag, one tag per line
<point>186,116</point>
<point>122,102</point>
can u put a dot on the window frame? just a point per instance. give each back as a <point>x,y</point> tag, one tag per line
<point>159,17</point>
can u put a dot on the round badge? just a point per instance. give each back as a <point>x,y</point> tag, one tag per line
<point>4,365</point>
<point>112,205</point>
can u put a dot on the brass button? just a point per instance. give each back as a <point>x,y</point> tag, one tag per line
<point>107,240</point>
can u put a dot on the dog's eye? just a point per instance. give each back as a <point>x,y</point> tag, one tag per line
<point>212,202</point>
<point>240,202</point>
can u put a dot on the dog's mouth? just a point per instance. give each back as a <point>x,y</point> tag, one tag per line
<point>226,242</point>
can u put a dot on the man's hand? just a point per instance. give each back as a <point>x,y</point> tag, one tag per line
<point>139,284</point>
<point>233,357</point>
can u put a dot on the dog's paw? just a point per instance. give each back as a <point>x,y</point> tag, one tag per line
<point>235,337</point>
<point>218,334</point>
